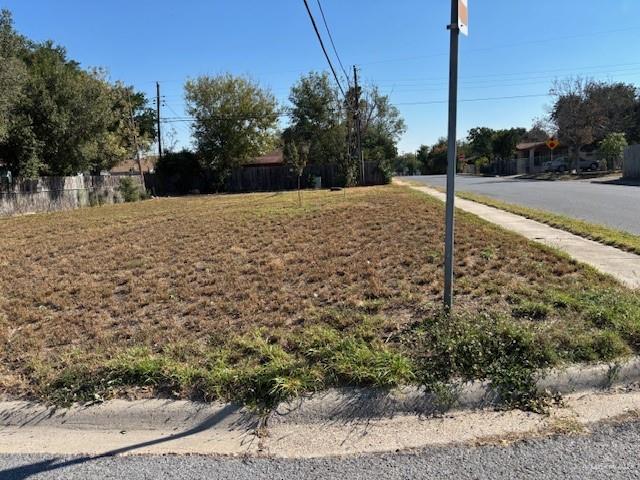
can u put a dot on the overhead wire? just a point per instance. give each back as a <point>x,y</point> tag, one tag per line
<point>335,50</point>
<point>324,50</point>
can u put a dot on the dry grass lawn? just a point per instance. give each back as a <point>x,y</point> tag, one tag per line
<point>190,282</point>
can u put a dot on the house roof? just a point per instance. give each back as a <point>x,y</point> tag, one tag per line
<point>131,165</point>
<point>530,145</point>
<point>274,157</point>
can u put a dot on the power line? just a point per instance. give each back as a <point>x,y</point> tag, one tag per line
<point>324,50</point>
<point>526,75</point>
<point>510,45</point>
<point>409,89</point>
<point>335,50</point>
<point>484,99</point>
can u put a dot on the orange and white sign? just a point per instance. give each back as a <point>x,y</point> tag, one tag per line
<point>463,17</point>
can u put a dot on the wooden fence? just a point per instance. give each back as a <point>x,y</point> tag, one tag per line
<point>631,164</point>
<point>261,179</point>
<point>47,194</point>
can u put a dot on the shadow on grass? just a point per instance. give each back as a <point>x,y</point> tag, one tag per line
<point>32,469</point>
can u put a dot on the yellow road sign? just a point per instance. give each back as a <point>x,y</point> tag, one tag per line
<point>553,143</point>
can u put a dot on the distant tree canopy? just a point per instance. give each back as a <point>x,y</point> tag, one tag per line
<point>325,122</point>
<point>434,158</point>
<point>234,120</point>
<point>317,119</point>
<point>59,119</point>
<point>487,143</point>
<point>612,149</point>
<point>407,164</point>
<point>587,111</point>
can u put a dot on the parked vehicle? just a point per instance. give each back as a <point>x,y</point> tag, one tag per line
<point>559,165</point>
<point>563,164</point>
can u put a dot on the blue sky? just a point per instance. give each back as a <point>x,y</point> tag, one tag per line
<point>516,48</point>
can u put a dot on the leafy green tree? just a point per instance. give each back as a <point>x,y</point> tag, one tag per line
<point>382,126</point>
<point>503,144</point>
<point>436,158</point>
<point>55,117</point>
<point>406,164</point>
<point>573,115</point>
<point>234,120</point>
<point>480,141</point>
<point>422,156</point>
<point>182,170</point>
<point>614,107</point>
<point>612,149</point>
<point>296,158</point>
<point>586,111</point>
<point>318,123</point>
<point>13,71</point>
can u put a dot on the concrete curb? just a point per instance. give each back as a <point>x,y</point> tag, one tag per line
<point>336,422</point>
<point>332,405</point>
<point>127,415</point>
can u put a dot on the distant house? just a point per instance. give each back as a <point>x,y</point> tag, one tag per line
<point>532,155</point>
<point>274,158</point>
<point>129,167</point>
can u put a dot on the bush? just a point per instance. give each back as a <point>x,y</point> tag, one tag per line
<point>483,165</point>
<point>386,168</point>
<point>130,190</point>
<point>182,170</point>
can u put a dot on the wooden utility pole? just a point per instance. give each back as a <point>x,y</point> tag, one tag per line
<point>356,113</point>
<point>158,120</point>
<point>134,135</point>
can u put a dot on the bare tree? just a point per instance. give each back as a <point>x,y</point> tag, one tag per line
<point>573,115</point>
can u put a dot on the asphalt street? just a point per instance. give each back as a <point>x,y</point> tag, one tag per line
<point>610,451</point>
<point>596,200</point>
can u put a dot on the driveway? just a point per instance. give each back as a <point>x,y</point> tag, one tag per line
<point>596,201</point>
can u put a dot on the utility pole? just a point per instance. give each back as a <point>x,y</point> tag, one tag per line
<point>134,135</point>
<point>454,28</point>
<point>356,113</point>
<point>158,120</point>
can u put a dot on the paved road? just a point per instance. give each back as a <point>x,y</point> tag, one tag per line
<point>609,452</point>
<point>614,205</point>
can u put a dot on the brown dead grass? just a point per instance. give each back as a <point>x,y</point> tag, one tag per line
<point>189,270</point>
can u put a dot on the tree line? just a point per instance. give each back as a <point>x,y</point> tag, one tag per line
<point>57,118</point>
<point>235,119</point>
<point>584,113</point>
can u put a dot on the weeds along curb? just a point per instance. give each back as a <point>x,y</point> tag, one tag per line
<point>334,405</point>
<point>356,403</point>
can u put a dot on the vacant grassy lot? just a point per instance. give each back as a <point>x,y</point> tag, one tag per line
<point>251,297</point>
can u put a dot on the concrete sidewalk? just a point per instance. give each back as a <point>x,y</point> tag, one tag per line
<point>623,266</point>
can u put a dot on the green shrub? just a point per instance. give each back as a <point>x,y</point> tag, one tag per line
<point>386,168</point>
<point>130,190</point>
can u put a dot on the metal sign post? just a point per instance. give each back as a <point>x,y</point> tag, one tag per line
<point>459,22</point>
